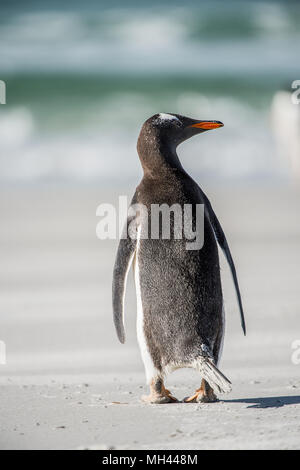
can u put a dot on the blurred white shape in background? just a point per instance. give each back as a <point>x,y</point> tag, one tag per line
<point>2,92</point>
<point>2,353</point>
<point>16,127</point>
<point>285,119</point>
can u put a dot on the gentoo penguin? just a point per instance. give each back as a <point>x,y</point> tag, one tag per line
<point>180,319</point>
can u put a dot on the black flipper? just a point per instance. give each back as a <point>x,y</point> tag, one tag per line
<point>221,239</point>
<point>125,254</point>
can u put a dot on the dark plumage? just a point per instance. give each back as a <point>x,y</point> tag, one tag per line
<point>181,324</point>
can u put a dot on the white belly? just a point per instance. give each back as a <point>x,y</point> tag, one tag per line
<point>150,370</point>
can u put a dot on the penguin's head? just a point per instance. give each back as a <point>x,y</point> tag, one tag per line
<point>162,133</point>
<point>173,129</point>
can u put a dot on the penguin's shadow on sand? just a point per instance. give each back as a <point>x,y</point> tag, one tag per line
<point>268,402</point>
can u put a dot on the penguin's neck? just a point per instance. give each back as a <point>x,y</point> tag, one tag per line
<point>158,157</point>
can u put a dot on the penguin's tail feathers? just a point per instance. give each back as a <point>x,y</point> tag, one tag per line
<point>213,375</point>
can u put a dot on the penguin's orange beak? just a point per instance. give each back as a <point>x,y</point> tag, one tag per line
<point>207,125</point>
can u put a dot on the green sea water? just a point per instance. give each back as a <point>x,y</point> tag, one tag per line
<point>81,79</point>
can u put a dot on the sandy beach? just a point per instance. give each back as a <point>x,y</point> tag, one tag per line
<point>69,384</point>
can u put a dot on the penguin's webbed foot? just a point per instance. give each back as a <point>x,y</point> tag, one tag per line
<point>204,394</point>
<point>159,394</point>
<point>159,399</point>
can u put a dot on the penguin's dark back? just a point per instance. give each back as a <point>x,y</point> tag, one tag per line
<point>180,288</point>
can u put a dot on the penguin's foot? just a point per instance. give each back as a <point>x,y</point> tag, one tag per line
<point>159,394</point>
<point>159,399</point>
<point>204,394</point>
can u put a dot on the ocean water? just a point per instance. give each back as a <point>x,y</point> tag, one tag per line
<point>82,79</point>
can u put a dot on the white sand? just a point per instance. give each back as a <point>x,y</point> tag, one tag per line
<point>65,367</point>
